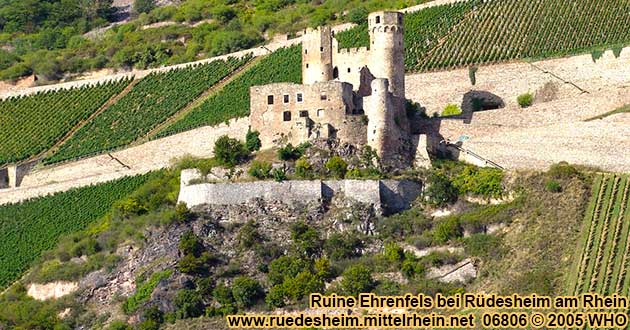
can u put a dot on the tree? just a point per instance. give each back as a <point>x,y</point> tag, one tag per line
<point>440,191</point>
<point>337,167</point>
<point>143,6</point>
<point>357,279</point>
<point>188,303</point>
<point>252,140</point>
<point>229,152</point>
<point>246,291</point>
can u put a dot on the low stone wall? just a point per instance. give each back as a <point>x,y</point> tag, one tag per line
<point>387,195</point>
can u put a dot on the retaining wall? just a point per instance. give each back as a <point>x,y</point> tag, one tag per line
<point>387,195</point>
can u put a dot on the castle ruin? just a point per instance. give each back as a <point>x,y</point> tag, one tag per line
<point>356,95</point>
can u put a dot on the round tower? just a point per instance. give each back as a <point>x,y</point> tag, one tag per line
<point>317,55</point>
<point>387,49</point>
<point>377,108</point>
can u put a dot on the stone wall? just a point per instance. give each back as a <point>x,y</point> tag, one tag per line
<point>388,195</point>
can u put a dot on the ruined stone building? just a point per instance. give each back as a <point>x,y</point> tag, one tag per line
<point>353,95</point>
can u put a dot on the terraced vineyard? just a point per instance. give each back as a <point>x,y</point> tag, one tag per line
<point>602,262</point>
<point>284,65</point>
<point>32,124</point>
<point>27,229</point>
<point>151,101</point>
<point>479,32</point>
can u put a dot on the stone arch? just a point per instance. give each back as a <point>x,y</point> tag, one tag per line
<point>386,29</point>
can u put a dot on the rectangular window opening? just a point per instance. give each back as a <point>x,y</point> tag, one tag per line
<point>286,116</point>
<point>300,97</point>
<point>285,98</point>
<point>269,99</point>
<point>304,113</point>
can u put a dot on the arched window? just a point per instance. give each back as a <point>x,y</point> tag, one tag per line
<point>335,73</point>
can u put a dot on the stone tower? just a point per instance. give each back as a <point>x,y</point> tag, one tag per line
<point>317,56</point>
<point>387,49</point>
<point>379,108</point>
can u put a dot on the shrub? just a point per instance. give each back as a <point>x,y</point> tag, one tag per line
<point>343,246</point>
<point>411,268</point>
<point>304,169</point>
<point>483,246</point>
<point>260,169</point>
<point>337,167</point>
<point>252,140</point>
<point>440,191</point>
<point>223,295</point>
<point>472,75</point>
<point>143,6</point>
<point>229,152</point>
<point>188,304</point>
<point>191,264</point>
<point>446,230</point>
<point>182,214</point>
<point>306,239</point>
<point>246,291</point>
<point>144,291</point>
<point>190,244</point>
<point>451,110</point>
<point>480,181</point>
<point>276,297</point>
<point>525,100</point>
<point>248,235</point>
<point>285,267</point>
<point>358,15</point>
<point>553,186</point>
<point>279,174</point>
<point>288,152</point>
<point>393,252</point>
<point>563,170</point>
<point>357,279</point>
<point>302,285</point>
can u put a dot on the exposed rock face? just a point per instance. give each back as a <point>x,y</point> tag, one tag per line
<point>52,290</point>
<point>463,271</point>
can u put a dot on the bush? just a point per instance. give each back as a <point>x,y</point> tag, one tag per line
<point>229,152</point>
<point>553,186</point>
<point>279,174</point>
<point>337,167</point>
<point>285,267</point>
<point>563,170</point>
<point>480,181</point>
<point>440,191</point>
<point>246,291</point>
<point>343,246</point>
<point>182,214</point>
<point>358,15</point>
<point>525,100</point>
<point>260,170</point>
<point>188,304</point>
<point>483,246</point>
<point>190,244</point>
<point>393,252</point>
<point>446,230</point>
<point>143,6</point>
<point>451,110</point>
<point>303,169</point>
<point>305,239</point>
<point>288,152</point>
<point>357,279</point>
<point>252,140</point>
<point>191,264</point>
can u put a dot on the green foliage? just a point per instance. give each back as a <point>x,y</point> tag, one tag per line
<point>304,169</point>
<point>119,325</point>
<point>405,224</point>
<point>563,170</point>
<point>451,110</point>
<point>246,291</point>
<point>480,181</point>
<point>188,304</point>
<point>341,246</point>
<point>285,267</point>
<point>283,65</point>
<point>393,252</point>
<point>305,239</point>
<point>553,186</point>
<point>525,100</point>
<point>472,75</point>
<point>252,140</point>
<point>484,246</point>
<point>358,15</point>
<point>143,6</point>
<point>182,213</point>
<point>29,228</point>
<point>357,279</point>
<point>143,291</point>
<point>152,100</point>
<point>279,174</point>
<point>32,124</point>
<point>337,167</point>
<point>191,244</point>
<point>440,191</point>
<point>229,152</point>
<point>289,152</point>
<point>446,230</point>
<point>260,169</point>
<point>248,236</point>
